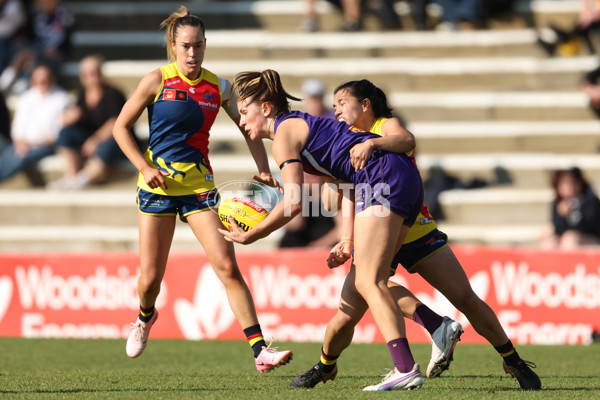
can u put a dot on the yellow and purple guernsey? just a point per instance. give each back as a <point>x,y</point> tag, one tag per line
<point>424,222</point>
<point>180,119</point>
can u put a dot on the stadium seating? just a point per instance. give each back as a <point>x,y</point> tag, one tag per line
<point>475,100</point>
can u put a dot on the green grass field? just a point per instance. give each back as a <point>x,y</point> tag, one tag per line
<point>99,369</point>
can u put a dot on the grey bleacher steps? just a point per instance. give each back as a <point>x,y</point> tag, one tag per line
<point>474,100</point>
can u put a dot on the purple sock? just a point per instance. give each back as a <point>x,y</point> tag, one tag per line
<point>427,318</point>
<point>401,355</point>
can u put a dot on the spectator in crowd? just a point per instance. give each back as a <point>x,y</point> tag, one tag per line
<point>311,23</point>
<point>419,14</point>
<point>13,22</point>
<point>469,14</point>
<point>5,139</point>
<point>87,135</point>
<point>52,29</point>
<point>591,88</point>
<point>575,212</point>
<point>314,98</point>
<point>36,123</point>
<point>312,228</point>
<point>567,40</point>
<point>352,11</point>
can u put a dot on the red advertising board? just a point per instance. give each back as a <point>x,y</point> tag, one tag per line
<point>544,297</point>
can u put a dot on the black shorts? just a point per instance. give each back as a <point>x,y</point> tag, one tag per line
<point>411,254</point>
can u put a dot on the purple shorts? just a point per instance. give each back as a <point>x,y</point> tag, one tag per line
<point>393,181</point>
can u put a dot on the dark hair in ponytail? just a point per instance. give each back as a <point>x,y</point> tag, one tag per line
<point>365,89</point>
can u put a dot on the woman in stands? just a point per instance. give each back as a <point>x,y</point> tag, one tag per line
<point>183,99</point>
<point>575,212</point>
<point>425,251</point>
<point>321,146</point>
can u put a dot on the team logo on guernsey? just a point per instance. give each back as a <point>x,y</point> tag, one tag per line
<point>208,103</point>
<point>176,95</point>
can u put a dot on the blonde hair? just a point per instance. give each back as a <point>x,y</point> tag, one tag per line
<point>176,20</point>
<point>263,86</point>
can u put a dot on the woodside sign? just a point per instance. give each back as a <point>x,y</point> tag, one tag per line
<point>540,297</point>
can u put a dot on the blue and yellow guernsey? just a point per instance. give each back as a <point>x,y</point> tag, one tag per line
<point>425,222</point>
<point>180,119</point>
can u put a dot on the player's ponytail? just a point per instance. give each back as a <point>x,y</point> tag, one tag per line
<point>176,20</point>
<point>263,86</point>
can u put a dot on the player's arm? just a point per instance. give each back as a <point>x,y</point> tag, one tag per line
<point>286,148</point>
<point>257,148</point>
<point>143,95</point>
<point>342,251</point>
<point>394,138</point>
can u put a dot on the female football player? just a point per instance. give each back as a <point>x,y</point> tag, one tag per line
<point>183,99</point>
<point>425,251</point>
<point>390,196</point>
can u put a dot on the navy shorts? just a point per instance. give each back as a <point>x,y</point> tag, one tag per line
<point>158,204</point>
<point>391,180</point>
<point>411,254</point>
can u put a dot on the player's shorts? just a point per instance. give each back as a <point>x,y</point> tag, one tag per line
<point>411,254</point>
<point>158,204</point>
<point>391,180</point>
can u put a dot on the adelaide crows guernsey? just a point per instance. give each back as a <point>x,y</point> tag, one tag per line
<point>180,119</point>
<point>425,222</point>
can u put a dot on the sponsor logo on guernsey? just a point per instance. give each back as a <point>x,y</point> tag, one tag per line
<point>208,102</point>
<point>192,91</point>
<point>209,178</point>
<point>425,221</point>
<point>175,95</point>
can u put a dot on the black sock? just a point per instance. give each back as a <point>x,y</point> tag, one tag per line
<point>326,362</point>
<point>146,313</point>
<point>508,353</point>
<point>255,339</point>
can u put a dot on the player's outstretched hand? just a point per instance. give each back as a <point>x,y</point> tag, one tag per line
<point>268,180</point>
<point>340,253</point>
<point>236,234</point>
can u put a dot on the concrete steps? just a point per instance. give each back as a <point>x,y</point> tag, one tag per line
<point>521,74</point>
<point>475,101</point>
<point>283,15</point>
<point>491,106</point>
<point>559,137</point>
<point>265,44</point>
<point>491,206</point>
<point>493,235</point>
<point>89,220</point>
<point>527,170</point>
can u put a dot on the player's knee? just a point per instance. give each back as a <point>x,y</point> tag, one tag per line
<point>342,321</point>
<point>227,271</point>
<point>467,300</point>
<point>365,288</point>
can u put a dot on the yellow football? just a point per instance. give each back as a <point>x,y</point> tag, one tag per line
<point>246,213</point>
